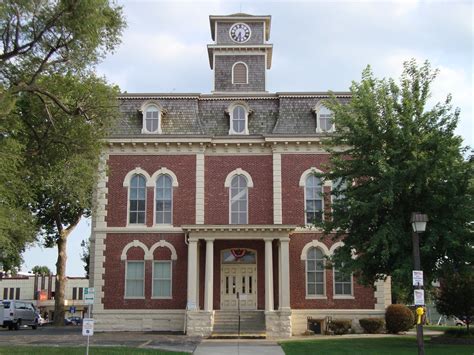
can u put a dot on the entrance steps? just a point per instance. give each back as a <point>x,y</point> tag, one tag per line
<point>226,324</point>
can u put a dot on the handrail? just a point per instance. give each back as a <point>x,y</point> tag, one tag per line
<point>238,311</point>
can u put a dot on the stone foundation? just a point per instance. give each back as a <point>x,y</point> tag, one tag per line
<point>299,317</point>
<point>278,324</point>
<point>139,320</point>
<point>199,323</point>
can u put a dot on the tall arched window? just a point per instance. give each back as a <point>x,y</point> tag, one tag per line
<point>315,266</point>
<point>313,199</point>
<point>164,200</point>
<point>239,73</point>
<point>137,199</point>
<point>238,200</point>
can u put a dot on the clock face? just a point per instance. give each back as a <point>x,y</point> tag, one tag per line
<point>240,32</point>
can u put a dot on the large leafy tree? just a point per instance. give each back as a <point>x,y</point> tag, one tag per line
<point>41,270</point>
<point>53,113</point>
<point>62,153</point>
<point>394,155</point>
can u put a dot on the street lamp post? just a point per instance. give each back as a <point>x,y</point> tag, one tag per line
<point>418,222</point>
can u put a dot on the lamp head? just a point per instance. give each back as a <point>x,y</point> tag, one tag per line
<point>418,222</point>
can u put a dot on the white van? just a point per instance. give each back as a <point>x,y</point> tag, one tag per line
<point>17,313</point>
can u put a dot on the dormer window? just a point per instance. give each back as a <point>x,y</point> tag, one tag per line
<point>324,119</point>
<point>239,113</point>
<point>152,113</point>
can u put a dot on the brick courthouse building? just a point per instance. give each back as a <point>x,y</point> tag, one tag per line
<point>205,204</point>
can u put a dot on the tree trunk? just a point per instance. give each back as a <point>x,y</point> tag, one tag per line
<point>59,294</point>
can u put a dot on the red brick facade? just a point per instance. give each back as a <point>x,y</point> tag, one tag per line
<point>217,168</point>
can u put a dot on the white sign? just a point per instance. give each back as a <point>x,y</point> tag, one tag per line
<point>417,278</point>
<point>88,326</point>
<point>89,295</point>
<point>419,297</point>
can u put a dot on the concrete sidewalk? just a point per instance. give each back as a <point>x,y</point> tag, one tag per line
<point>238,347</point>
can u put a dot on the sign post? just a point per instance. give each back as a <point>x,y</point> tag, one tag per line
<point>88,323</point>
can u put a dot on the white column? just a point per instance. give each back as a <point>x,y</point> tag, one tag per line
<point>200,188</point>
<point>192,275</point>
<point>268,275</point>
<point>284,274</point>
<point>209,290</point>
<point>277,207</point>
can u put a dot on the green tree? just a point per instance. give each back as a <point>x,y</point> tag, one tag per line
<point>456,295</point>
<point>399,156</point>
<point>62,157</point>
<point>41,270</point>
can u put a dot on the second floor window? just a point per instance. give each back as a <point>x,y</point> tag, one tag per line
<point>137,196</point>
<point>164,200</point>
<point>151,119</point>
<point>313,200</point>
<point>238,120</point>
<point>238,200</point>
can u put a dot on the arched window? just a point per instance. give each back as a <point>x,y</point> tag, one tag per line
<point>313,199</point>
<point>164,200</point>
<point>238,200</point>
<point>315,278</point>
<point>324,119</point>
<point>238,120</point>
<point>239,73</point>
<point>137,199</point>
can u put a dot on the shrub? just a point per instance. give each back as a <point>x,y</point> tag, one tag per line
<point>340,326</point>
<point>372,325</point>
<point>398,318</point>
<point>459,332</point>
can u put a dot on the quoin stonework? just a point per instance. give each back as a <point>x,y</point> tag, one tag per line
<point>206,205</point>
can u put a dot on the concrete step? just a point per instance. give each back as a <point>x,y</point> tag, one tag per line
<point>226,325</point>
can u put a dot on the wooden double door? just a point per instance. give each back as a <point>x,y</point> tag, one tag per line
<point>238,284</point>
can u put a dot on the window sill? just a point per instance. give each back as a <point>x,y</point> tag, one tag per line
<point>343,297</point>
<point>162,298</point>
<point>134,298</point>
<point>316,297</point>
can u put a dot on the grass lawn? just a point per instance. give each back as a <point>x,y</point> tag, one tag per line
<point>374,346</point>
<point>441,328</point>
<point>53,350</point>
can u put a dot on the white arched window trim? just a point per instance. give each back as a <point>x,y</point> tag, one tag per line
<point>230,111</point>
<point>136,171</point>
<point>163,171</point>
<point>317,110</point>
<point>238,171</point>
<point>163,244</point>
<point>315,244</point>
<point>161,111</point>
<point>246,72</point>
<point>149,252</point>
<point>135,243</point>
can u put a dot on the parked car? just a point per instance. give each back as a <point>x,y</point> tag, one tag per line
<point>458,322</point>
<point>67,321</point>
<point>17,313</point>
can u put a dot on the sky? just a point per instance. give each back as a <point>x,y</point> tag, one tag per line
<point>318,46</point>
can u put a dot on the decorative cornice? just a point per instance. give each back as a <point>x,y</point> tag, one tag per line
<point>238,228</point>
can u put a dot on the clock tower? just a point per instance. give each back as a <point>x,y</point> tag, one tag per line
<point>240,54</point>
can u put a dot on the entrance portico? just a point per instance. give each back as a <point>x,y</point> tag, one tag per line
<point>236,276</point>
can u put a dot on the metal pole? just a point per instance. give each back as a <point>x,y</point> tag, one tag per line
<point>417,266</point>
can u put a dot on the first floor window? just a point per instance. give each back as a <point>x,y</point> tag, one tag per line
<point>315,272</point>
<point>135,279</point>
<point>342,283</point>
<point>162,279</point>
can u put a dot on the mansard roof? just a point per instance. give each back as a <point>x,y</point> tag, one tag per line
<point>193,114</point>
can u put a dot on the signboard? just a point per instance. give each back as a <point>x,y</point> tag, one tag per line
<point>417,278</point>
<point>89,295</point>
<point>88,326</point>
<point>72,309</point>
<point>419,297</point>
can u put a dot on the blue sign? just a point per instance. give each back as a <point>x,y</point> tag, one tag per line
<point>72,309</point>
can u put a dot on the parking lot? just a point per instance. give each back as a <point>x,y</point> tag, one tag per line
<point>72,336</point>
